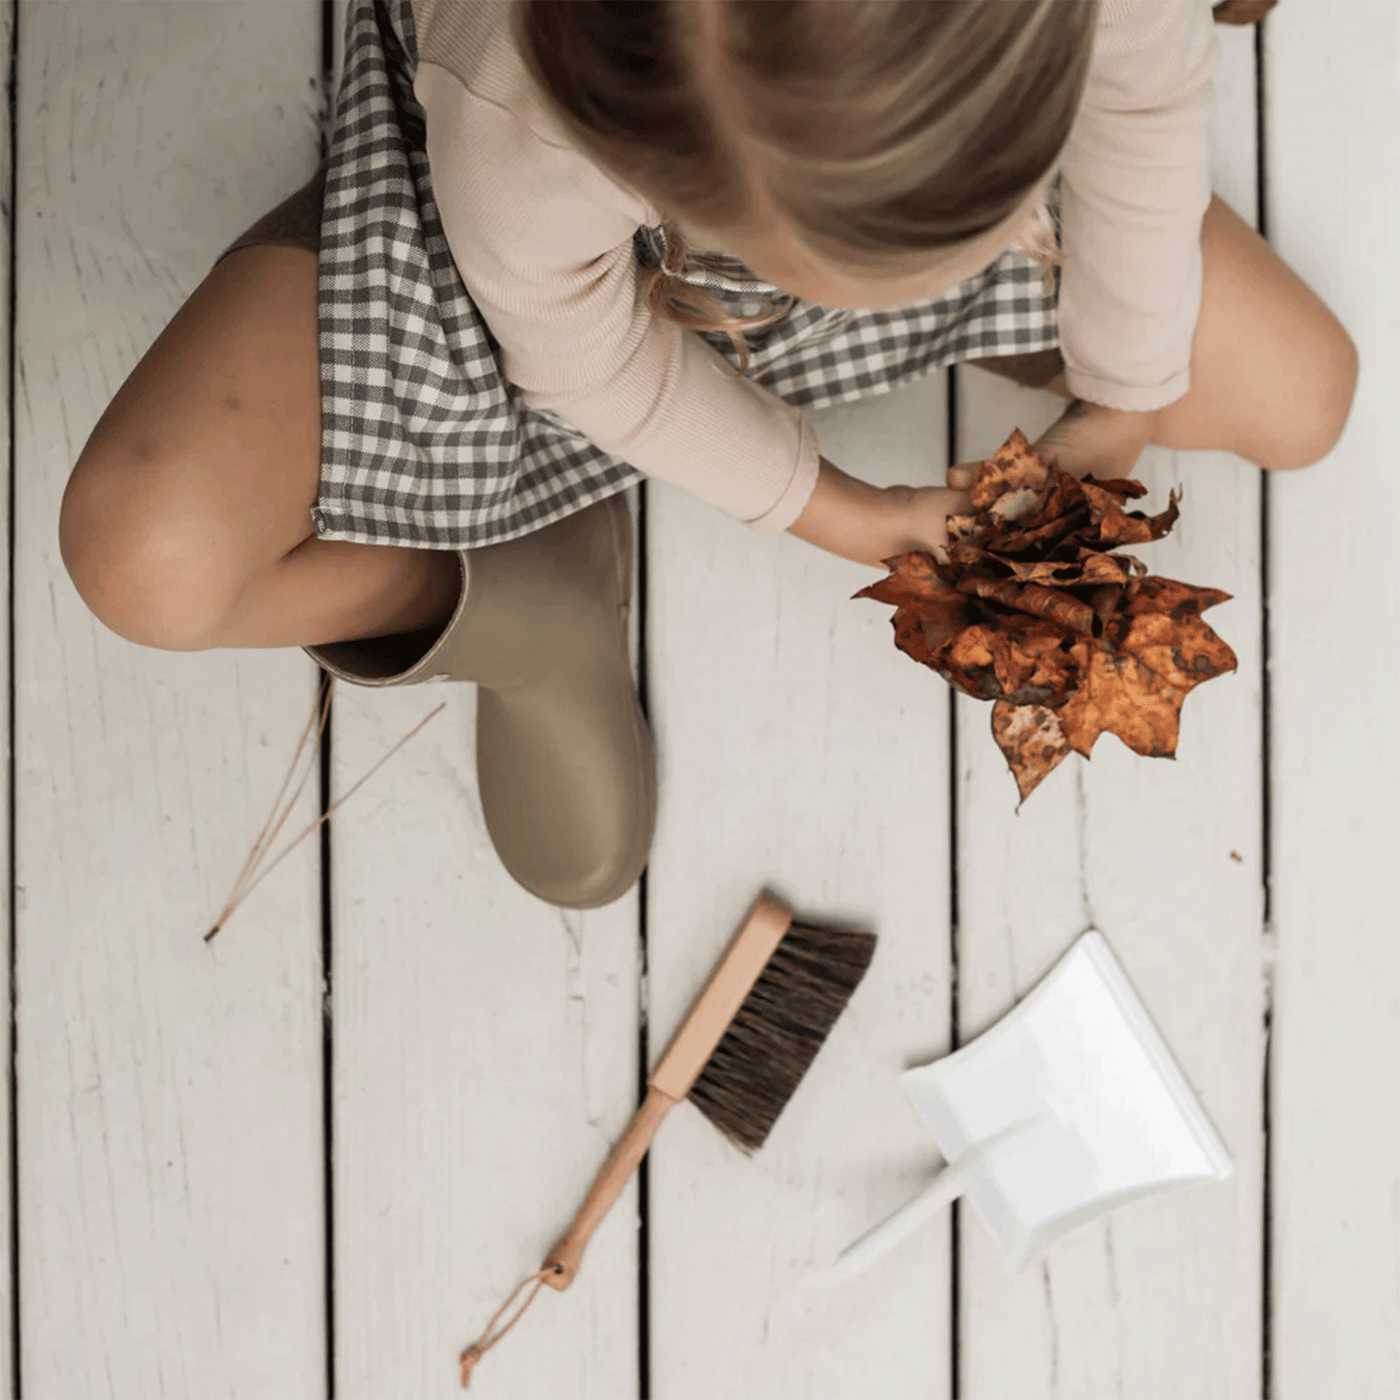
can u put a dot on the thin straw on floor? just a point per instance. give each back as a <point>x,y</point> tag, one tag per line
<point>266,838</point>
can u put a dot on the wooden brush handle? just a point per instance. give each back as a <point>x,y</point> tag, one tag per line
<point>617,1170</point>
<point>688,1054</point>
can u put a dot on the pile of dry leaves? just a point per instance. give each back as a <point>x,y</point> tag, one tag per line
<point>1036,612</point>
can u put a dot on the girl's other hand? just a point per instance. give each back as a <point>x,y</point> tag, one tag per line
<point>1087,437</point>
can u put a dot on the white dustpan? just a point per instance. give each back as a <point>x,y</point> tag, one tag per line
<point>1070,1106</point>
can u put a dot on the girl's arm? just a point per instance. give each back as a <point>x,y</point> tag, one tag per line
<point>868,524</point>
<point>1136,185</point>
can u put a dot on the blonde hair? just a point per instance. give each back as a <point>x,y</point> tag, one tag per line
<point>890,134</point>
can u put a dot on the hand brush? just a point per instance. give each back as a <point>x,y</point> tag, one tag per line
<point>739,1057</point>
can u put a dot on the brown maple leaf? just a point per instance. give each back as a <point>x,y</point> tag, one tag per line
<point>1036,612</point>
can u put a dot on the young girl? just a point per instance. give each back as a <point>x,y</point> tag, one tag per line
<point>561,247</point>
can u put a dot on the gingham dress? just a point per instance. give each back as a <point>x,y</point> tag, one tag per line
<point>424,441</point>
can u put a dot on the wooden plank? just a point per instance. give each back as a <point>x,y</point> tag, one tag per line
<point>485,1061</point>
<point>1334,202</point>
<point>802,753</point>
<point>169,1090</point>
<point>1163,1296</point>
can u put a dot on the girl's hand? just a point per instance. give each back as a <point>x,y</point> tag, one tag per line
<point>868,524</point>
<point>1087,437</point>
<point>922,519</point>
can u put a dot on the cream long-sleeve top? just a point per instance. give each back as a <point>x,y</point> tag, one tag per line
<point>542,237</point>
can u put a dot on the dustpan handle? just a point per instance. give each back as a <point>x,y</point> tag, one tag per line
<point>945,1188</point>
<point>952,1182</point>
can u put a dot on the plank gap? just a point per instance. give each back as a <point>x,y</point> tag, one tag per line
<point>12,1068</point>
<point>1261,207</point>
<point>327,1043</point>
<point>643,1055</point>
<point>330,39</point>
<point>955,1215</point>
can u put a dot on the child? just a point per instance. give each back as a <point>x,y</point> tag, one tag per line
<point>539,229</point>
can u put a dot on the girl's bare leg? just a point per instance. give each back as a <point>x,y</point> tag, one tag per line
<point>186,522</point>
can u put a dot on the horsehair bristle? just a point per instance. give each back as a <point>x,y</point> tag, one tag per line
<point>775,1035</point>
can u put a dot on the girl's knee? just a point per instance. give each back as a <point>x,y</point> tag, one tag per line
<point>146,571</point>
<point>1314,420</point>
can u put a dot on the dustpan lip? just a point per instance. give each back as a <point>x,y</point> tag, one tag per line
<point>1188,1104</point>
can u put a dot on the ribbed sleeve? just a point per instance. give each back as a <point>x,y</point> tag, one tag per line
<point>543,241</point>
<point>1136,185</point>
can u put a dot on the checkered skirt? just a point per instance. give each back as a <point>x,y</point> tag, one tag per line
<point>425,442</point>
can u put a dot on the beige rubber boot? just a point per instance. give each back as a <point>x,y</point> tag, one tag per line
<point>565,763</point>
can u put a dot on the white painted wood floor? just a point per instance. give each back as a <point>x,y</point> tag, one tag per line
<point>176,1226</point>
